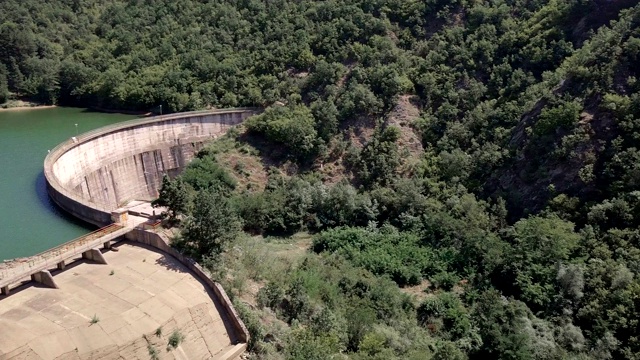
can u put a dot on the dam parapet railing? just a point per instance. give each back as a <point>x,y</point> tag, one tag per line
<point>13,271</point>
<point>101,209</point>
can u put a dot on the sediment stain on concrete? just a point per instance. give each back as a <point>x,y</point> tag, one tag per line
<point>100,171</point>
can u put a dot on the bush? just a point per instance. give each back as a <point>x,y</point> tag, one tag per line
<point>397,255</point>
<point>153,352</point>
<point>562,116</point>
<point>252,322</point>
<point>206,173</point>
<point>445,313</point>
<point>271,296</point>
<point>175,339</point>
<point>380,158</point>
<point>213,224</point>
<point>292,127</point>
<point>444,280</point>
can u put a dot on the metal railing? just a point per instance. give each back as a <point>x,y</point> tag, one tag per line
<point>14,270</point>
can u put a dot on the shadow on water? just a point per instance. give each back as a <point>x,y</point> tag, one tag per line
<point>45,200</point>
<point>138,113</point>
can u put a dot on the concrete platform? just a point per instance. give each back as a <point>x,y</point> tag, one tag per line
<point>139,291</point>
<point>144,209</point>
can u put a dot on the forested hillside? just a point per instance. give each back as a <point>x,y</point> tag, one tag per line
<point>468,170</point>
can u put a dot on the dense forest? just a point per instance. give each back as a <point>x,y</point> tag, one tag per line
<point>467,171</point>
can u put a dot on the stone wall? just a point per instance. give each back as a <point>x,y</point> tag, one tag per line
<point>99,171</point>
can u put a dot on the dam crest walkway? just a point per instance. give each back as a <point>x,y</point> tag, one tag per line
<point>37,267</point>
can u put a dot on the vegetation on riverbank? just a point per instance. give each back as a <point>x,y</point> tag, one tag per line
<point>484,152</point>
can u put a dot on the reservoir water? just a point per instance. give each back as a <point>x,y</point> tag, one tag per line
<point>29,222</point>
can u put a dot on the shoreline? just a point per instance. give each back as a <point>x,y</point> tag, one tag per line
<point>117,111</point>
<point>96,109</point>
<point>23,108</point>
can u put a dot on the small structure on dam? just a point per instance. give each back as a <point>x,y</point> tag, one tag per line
<point>136,294</point>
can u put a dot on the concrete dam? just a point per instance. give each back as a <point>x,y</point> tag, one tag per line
<point>97,172</point>
<point>97,296</point>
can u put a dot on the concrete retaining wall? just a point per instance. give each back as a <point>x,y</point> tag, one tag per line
<point>97,172</point>
<point>154,240</point>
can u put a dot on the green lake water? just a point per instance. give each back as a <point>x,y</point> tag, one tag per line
<point>29,222</point>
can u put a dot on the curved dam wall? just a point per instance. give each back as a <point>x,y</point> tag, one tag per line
<point>97,172</point>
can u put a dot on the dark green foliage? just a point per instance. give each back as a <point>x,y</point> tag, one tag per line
<point>445,314</point>
<point>381,252</point>
<point>290,127</point>
<point>287,206</point>
<point>174,195</point>
<point>559,117</point>
<point>502,321</point>
<point>212,224</point>
<point>379,158</point>
<point>341,205</point>
<point>325,114</point>
<point>205,173</point>
<point>447,350</point>
<point>4,84</point>
<point>358,100</point>
<point>539,244</point>
<point>281,209</point>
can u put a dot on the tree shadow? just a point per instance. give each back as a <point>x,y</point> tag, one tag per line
<point>101,110</point>
<point>170,263</point>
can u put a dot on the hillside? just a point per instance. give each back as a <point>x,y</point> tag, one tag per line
<point>481,154</point>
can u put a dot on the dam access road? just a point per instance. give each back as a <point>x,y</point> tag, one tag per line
<point>126,300</point>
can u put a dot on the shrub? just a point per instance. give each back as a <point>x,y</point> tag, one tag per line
<point>271,296</point>
<point>562,116</point>
<point>153,352</point>
<point>175,339</point>
<point>252,322</point>
<point>292,127</point>
<point>397,255</point>
<point>444,280</point>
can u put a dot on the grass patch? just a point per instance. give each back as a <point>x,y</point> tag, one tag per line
<point>258,259</point>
